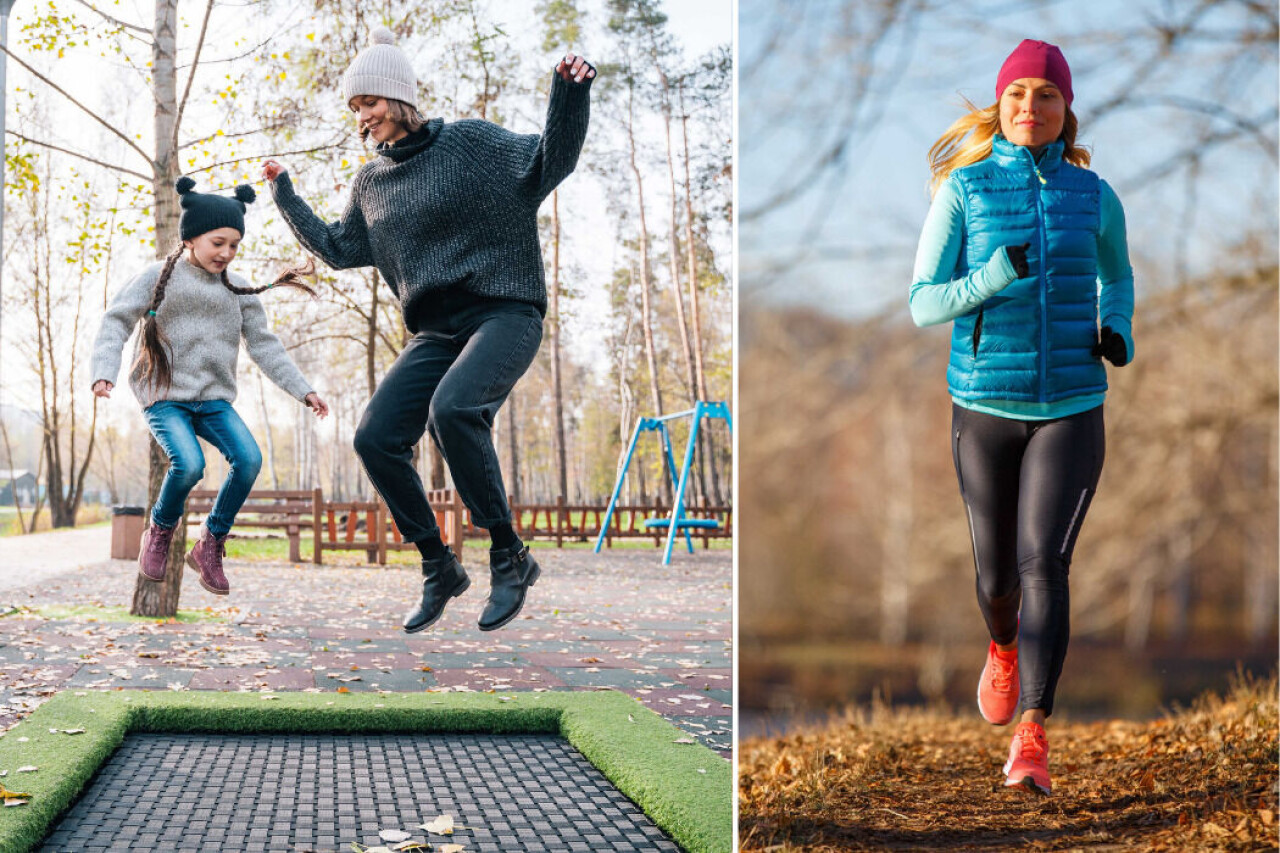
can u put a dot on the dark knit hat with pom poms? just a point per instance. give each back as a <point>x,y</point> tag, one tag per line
<point>202,212</point>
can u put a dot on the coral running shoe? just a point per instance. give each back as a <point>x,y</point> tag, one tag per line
<point>1028,763</point>
<point>998,688</point>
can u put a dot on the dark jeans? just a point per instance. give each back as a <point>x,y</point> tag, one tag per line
<point>1027,486</point>
<point>449,380</point>
<point>175,426</point>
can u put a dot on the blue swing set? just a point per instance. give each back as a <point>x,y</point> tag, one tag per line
<point>676,522</point>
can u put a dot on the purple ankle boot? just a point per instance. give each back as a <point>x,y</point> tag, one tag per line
<point>153,552</point>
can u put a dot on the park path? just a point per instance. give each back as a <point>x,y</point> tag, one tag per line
<point>619,619</point>
<point>916,779</point>
<point>26,560</point>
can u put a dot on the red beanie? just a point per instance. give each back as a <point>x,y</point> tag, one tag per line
<point>1036,59</point>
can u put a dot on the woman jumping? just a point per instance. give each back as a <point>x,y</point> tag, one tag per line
<point>448,213</point>
<point>185,372</point>
<point>1024,249</point>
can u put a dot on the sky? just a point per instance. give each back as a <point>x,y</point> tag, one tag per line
<point>871,215</point>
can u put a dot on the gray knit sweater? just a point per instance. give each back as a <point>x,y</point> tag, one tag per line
<point>460,212</point>
<point>204,323</point>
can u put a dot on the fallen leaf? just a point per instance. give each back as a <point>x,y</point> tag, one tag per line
<point>344,689</point>
<point>73,731</point>
<point>685,740</point>
<point>442,825</point>
<point>30,768</point>
<point>450,848</point>
<point>393,835</point>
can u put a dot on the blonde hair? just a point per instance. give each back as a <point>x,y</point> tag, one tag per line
<point>952,150</point>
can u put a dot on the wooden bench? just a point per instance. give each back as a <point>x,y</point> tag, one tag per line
<point>290,511</point>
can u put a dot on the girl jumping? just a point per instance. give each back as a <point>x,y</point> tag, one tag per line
<point>196,314</point>
<point>448,213</point>
<point>1024,250</point>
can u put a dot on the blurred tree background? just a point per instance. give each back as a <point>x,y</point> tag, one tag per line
<point>856,572</point>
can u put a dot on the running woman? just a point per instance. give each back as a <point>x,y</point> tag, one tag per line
<point>1024,251</point>
<point>195,314</point>
<point>448,213</point>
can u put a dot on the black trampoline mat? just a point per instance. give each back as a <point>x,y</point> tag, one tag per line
<point>195,792</point>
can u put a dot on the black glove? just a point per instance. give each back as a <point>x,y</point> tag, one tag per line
<point>1018,257</point>
<point>1111,346</point>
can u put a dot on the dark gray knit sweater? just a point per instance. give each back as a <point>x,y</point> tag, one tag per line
<point>460,212</point>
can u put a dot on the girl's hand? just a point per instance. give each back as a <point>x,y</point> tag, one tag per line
<point>272,170</point>
<point>575,69</point>
<point>315,404</point>
<point>102,388</point>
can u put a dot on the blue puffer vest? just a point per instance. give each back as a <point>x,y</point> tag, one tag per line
<point>1032,341</point>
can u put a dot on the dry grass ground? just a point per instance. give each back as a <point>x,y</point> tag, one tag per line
<point>1204,778</point>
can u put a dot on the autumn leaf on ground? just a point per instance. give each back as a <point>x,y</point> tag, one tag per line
<point>451,848</point>
<point>393,835</point>
<point>13,798</point>
<point>442,825</point>
<point>411,845</point>
<point>344,689</point>
<point>30,768</point>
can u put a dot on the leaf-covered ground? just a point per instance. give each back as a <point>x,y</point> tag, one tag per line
<point>1199,779</point>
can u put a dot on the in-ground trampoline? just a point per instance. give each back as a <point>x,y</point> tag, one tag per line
<point>178,771</point>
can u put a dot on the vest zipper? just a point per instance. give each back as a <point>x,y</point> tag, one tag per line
<point>1043,277</point>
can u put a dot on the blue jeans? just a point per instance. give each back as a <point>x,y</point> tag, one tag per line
<point>176,426</point>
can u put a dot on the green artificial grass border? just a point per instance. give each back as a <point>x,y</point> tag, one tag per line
<point>685,788</point>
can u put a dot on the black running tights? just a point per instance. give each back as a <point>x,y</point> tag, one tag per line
<point>1026,487</point>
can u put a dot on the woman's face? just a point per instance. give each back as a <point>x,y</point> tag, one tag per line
<point>1032,111</point>
<point>213,250</point>
<point>371,113</point>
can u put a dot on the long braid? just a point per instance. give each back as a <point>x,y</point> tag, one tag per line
<point>153,362</point>
<point>291,277</point>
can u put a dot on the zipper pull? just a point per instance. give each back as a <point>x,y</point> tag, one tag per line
<point>1043,182</point>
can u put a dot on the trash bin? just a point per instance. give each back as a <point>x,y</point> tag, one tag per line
<point>126,531</point>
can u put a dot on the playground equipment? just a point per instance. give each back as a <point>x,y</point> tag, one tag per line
<point>676,522</point>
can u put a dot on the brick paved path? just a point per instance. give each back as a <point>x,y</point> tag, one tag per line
<point>618,619</point>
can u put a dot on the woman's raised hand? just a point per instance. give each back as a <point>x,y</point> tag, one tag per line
<point>102,388</point>
<point>575,69</point>
<point>272,170</point>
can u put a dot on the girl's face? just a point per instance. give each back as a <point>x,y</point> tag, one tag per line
<point>1032,111</point>
<point>213,250</point>
<point>371,113</point>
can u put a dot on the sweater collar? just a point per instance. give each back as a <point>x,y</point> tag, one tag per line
<point>415,143</point>
<point>1020,156</point>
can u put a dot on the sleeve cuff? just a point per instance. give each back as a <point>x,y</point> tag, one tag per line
<point>282,186</point>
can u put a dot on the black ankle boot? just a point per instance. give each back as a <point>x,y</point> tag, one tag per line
<point>442,578</point>
<point>511,572</point>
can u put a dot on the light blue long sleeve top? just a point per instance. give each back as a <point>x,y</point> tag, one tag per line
<point>937,297</point>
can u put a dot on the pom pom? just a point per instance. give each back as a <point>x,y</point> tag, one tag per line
<point>382,35</point>
<point>245,194</point>
<point>183,185</point>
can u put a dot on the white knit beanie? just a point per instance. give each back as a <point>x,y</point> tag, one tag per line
<point>381,69</point>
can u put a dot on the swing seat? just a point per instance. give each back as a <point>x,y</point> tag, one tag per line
<point>701,523</point>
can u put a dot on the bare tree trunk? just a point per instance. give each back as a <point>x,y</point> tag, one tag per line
<point>266,425</point>
<point>646,314</point>
<point>706,439</point>
<point>160,600</point>
<point>557,394</point>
